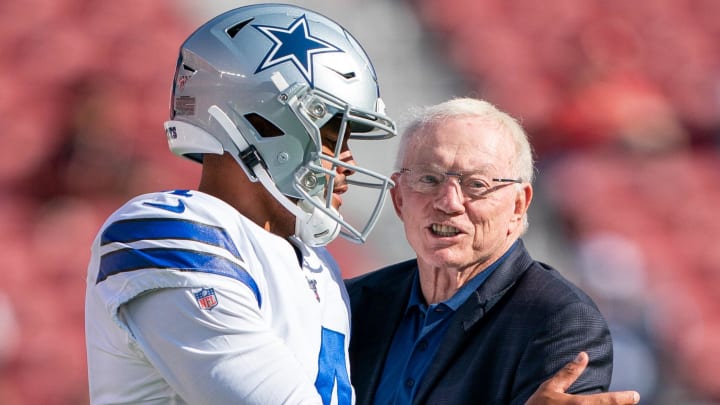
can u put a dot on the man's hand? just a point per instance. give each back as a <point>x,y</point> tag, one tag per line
<point>553,390</point>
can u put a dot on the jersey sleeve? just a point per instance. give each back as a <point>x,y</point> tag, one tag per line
<point>227,354</point>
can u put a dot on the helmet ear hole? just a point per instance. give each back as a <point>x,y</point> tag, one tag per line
<point>265,128</point>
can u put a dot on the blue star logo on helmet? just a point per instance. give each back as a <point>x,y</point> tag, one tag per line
<point>294,44</point>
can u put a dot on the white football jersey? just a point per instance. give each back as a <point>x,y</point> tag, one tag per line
<point>190,302</point>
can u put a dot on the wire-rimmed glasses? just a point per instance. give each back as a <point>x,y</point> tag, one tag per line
<point>474,184</point>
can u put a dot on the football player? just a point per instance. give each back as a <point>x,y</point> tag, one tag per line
<point>225,294</point>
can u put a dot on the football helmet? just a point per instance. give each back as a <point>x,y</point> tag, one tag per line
<point>259,82</point>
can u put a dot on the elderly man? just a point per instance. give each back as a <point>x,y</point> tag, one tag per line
<point>474,319</point>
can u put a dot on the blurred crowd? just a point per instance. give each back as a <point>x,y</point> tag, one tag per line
<point>621,98</point>
<point>82,101</point>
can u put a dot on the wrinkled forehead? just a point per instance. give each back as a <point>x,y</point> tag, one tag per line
<point>461,143</point>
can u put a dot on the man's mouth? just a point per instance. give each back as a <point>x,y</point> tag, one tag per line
<point>338,190</point>
<point>444,230</point>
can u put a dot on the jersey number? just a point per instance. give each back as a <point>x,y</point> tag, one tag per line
<point>332,368</point>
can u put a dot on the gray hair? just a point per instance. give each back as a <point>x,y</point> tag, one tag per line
<point>422,118</point>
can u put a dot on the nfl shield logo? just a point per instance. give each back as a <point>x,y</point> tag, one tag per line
<point>206,298</point>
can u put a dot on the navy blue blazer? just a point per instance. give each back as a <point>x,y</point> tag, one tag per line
<point>517,330</point>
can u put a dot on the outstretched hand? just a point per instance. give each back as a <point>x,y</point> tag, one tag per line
<point>553,390</point>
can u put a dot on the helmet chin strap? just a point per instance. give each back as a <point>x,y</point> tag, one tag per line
<point>312,226</point>
<point>316,228</point>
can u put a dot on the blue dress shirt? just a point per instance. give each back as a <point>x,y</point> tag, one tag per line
<point>418,337</point>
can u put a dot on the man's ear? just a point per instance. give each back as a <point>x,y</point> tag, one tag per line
<point>522,202</point>
<point>396,195</point>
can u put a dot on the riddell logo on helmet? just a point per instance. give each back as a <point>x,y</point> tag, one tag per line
<point>171,133</point>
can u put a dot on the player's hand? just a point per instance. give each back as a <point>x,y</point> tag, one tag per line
<point>553,390</point>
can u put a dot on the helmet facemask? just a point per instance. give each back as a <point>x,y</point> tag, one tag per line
<point>316,183</point>
<point>317,221</point>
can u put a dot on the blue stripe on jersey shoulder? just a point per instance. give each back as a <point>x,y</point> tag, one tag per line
<point>125,260</point>
<point>129,259</point>
<point>133,230</point>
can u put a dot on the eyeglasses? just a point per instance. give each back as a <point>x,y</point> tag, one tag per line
<point>474,185</point>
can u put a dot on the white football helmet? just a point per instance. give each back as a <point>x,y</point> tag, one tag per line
<point>259,82</point>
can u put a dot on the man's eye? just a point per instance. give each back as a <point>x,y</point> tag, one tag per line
<point>475,184</point>
<point>429,179</point>
<point>330,143</point>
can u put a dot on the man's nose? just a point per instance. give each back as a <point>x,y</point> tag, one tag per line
<point>450,198</point>
<point>346,157</point>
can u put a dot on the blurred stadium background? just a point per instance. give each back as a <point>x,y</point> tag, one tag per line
<point>621,98</point>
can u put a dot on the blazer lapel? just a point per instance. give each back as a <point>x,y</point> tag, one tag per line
<point>385,306</point>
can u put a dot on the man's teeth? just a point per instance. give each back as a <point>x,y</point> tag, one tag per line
<point>444,230</point>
